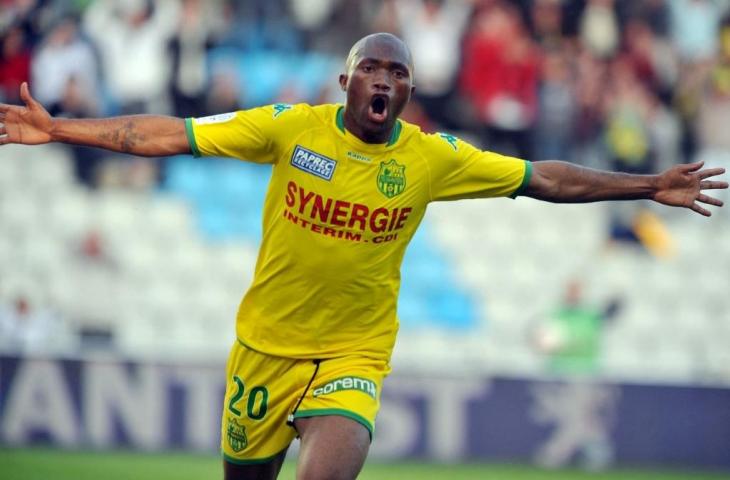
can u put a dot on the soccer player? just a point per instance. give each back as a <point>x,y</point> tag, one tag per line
<point>350,185</point>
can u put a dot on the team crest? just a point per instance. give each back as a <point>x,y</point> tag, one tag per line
<point>236,434</point>
<point>391,178</point>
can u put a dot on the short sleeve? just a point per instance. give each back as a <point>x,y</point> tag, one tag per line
<point>463,171</point>
<point>250,135</point>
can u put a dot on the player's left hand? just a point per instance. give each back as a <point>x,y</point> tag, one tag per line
<point>682,186</point>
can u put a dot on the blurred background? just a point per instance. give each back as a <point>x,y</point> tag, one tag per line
<point>593,336</point>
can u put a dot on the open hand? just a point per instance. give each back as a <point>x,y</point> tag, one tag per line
<point>682,186</point>
<point>29,125</point>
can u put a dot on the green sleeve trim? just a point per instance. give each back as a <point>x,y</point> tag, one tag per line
<point>394,135</point>
<point>252,461</point>
<point>321,412</point>
<point>191,137</point>
<point>525,180</point>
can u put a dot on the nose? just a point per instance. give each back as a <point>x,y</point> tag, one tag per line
<point>381,81</point>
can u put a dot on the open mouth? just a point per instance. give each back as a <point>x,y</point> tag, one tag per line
<point>378,111</point>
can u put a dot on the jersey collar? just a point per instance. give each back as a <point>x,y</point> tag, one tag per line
<point>394,136</point>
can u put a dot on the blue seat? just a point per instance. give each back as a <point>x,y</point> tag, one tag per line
<point>428,279</point>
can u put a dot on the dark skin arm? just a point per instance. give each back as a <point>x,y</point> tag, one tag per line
<point>679,186</point>
<point>144,135</point>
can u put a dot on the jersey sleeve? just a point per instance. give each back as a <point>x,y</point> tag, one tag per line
<point>254,135</point>
<point>461,171</point>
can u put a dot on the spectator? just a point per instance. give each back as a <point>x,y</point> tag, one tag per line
<point>259,25</point>
<point>312,17</point>
<point>63,56</point>
<point>694,28</point>
<point>558,109</point>
<point>32,16</point>
<point>341,23</point>
<point>76,103</point>
<point>14,63</point>
<point>665,133</point>
<point>546,17</point>
<point>713,106</point>
<point>25,328</point>
<point>570,336</point>
<point>713,97</point>
<point>433,30</point>
<point>132,37</point>
<point>650,57</point>
<point>500,78</point>
<point>591,84</point>
<point>599,28</point>
<point>627,108</point>
<point>655,13</point>
<point>65,77</point>
<point>223,94</point>
<point>188,49</point>
<point>94,270</point>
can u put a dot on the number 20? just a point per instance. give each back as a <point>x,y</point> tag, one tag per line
<point>252,399</point>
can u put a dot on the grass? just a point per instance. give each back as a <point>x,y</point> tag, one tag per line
<point>43,464</point>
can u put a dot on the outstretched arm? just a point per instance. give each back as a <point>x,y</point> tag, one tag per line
<point>680,186</point>
<point>145,135</point>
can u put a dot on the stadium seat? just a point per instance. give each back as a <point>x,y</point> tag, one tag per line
<point>70,214</point>
<point>167,219</point>
<point>19,215</point>
<point>51,169</point>
<point>10,172</point>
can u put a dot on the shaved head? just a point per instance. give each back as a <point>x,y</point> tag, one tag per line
<point>379,83</point>
<point>378,42</point>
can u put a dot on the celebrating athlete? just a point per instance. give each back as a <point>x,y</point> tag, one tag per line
<point>350,185</point>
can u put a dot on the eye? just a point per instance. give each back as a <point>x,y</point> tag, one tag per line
<point>368,68</point>
<point>399,74</point>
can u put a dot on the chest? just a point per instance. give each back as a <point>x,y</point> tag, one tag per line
<point>331,168</point>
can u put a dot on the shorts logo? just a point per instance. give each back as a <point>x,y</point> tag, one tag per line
<point>391,178</point>
<point>236,435</point>
<point>314,163</point>
<point>347,383</point>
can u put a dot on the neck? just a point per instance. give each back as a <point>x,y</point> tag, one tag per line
<point>381,135</point>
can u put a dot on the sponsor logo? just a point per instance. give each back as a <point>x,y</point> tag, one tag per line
<point>280,108</point>
<point>220,118</point>
<point>341,218</point>
<point>391,178</point>
<point>359,156</point>
<point>363,385</point>
<point>236,435</point>
<point>450,139</point>
<point>314,163</point>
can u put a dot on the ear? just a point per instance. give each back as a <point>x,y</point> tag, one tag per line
<point>343,82</point>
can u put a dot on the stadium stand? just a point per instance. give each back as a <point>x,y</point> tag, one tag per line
<point>478,275</point>
<point>120,261</point>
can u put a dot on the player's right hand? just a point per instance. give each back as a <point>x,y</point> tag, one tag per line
<point>29,125</point>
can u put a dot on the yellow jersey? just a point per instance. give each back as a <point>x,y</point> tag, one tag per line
<point>337,218</point>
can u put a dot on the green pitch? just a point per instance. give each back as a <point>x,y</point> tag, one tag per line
<point>43,464</point>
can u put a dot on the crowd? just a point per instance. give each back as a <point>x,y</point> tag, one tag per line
<point>632,85</point>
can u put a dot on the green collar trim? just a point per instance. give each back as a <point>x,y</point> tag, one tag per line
<point>340,119</point>
<point>394,136</point>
